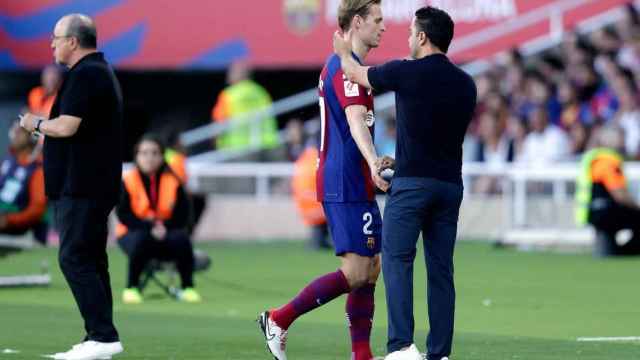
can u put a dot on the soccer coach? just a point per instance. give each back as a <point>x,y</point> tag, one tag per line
<point>82,169</point>
<point>435,101</point>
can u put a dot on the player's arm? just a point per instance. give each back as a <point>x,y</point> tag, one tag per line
<point>357,117</point>
<point>355,72</point>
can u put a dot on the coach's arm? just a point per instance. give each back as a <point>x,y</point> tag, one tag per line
<point>60,127</point>
<point>355,72</point>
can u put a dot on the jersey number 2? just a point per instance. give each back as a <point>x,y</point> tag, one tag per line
<point>368,219</point>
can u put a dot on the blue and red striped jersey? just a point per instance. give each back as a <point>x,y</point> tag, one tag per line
<point>343,174</point>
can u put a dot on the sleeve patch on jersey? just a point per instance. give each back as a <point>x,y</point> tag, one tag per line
<point>351,89</point>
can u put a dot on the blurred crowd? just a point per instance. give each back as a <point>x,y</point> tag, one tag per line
<point>549,108</point>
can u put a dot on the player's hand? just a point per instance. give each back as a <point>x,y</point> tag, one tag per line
<point>159,231</point>
<point>381,183</point>
<point>384,163</point>
<point>28,122</point>
<point>342,43</point>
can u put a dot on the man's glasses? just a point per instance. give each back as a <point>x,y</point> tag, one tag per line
<point>56,37</point>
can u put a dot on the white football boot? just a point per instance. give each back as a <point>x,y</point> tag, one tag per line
<point>410,353</point>
<point>275,336</point>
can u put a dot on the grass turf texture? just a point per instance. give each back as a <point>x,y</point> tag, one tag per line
<point>539,304</point>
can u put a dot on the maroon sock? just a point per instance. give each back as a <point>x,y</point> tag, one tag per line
<point>360,307</point>
<point>319,292</point>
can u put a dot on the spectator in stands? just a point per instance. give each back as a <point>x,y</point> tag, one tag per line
<point>546,143</point>
<point>295,134</point>
<point>573,110</point>
<point>41,98</point>
<point>154,216</point>
<point>629,56</point>
<point>22,200</point>
<point>538,93</point>
<point>242,98</point>
<point>303,187</point>
<point>494,148</point>
<point>517,129</point>
<point>628,115</point>
<point>607,41</point>
<point>579,139</point>
<point>603,198</point>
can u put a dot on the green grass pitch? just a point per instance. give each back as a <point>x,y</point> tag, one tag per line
<point>511,305</point>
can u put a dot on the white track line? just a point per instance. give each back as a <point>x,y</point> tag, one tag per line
<point>608,339</point>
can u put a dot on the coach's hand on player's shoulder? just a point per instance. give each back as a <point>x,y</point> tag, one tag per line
<point>342,43</point>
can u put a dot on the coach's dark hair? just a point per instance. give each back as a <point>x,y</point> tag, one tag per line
<point>437,25</point>
<point>151,137</point>
<point>83,28</point>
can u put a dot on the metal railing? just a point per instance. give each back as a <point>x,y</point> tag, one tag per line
<point>515,179</point>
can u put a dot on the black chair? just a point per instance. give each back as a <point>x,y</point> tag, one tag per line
<point>165,276</point>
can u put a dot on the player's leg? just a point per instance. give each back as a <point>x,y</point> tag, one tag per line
<point>439,236</point>
<point>361,266</point>
<point>360,306</point>
<point>275,323</point>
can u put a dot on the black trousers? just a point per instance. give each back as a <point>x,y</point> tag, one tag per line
<point>82,224</point>
<point>141,248</point>
<point>430,206</point>
<point>611,219</point>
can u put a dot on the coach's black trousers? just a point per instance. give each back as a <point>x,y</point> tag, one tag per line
<point>82,224</point>
<point>429,206</point>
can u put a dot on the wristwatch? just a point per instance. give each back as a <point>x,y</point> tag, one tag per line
<point>37,128</point>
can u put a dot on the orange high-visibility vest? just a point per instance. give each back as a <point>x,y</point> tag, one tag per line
<point>303,186</point>
<point>139,200</point>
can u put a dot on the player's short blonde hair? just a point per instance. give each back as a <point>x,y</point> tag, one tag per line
<point>348,9</point>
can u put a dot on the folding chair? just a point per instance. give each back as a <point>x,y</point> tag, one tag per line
<point>165,275</point>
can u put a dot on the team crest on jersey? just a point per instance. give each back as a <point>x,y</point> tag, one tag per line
<point>371,243</point>
<point>351,89</point>
<point>371,118</point>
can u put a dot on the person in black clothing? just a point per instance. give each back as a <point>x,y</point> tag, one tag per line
<point>154,215</point>
<point>435,102</point>
<point>82,170</point>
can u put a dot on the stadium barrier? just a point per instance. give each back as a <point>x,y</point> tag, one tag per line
<point>535,208</point>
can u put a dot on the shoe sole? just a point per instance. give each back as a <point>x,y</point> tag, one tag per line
<point>262,323</point>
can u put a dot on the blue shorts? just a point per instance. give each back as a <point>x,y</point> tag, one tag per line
<point>355,227</point>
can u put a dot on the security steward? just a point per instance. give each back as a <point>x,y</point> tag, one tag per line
<point>603,198</point>
<point>154,215</point>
